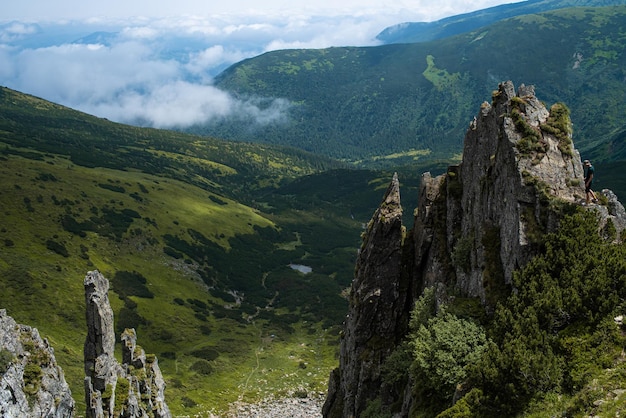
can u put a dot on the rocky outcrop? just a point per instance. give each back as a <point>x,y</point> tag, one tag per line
<point>479,222</point>
<point>31,382</point>
<point>513,166</point>
<point>474,226</point>
<point>378,312</point>
<point>612,217</point>
<point>134,388</point>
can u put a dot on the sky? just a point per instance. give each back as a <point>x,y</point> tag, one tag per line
<point>152,62</point>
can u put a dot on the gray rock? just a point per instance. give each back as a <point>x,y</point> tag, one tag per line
<point>614,213</point>
<point>137,382</point>
<point>32,384</point>
<point>377,314</point>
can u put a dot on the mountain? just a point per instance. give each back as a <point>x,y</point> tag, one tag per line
<point>505,298</point>
<point>409,32</point>
<point>402,103</point>
<point>202,240</point>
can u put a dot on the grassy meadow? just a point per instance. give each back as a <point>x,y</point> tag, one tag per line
<point>195,235</point>
<point>212,351</point>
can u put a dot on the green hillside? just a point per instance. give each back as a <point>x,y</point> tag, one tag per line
<point>396,104</point>
<point>408,32</point>
<point>196,236</point>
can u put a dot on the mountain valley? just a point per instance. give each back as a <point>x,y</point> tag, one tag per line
<point>234,259</point>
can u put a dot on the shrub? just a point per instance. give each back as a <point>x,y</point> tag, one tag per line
<point>202,367</point>
<point>188,402</point>
<point>531,141</point>
<point>461,255</point>
<point>560,125</point>
<point>126,283</point>
<point>206,353</point>
<point>128,318</point>
<point>57,248</point>
<point>113,188</point>
<point>32,378</point>
<point>121,396</point>
<point>173,253</point>
<point>374,409</point>
<point>395,369</point>
<point>467,406</point>
<point>556,330</point>
<point>442,349</point>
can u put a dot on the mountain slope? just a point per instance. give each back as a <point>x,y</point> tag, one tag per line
<point>392,104</point>
<point>197,236</point>
<point>409,32</point>
<point>505,299</point>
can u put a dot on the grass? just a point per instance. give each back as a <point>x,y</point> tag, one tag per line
<point>440,78</point>
<point>44,289</point>
<point>118,221</point>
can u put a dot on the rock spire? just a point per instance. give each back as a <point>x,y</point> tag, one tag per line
<point>377,315</point>
<point>134,388</point>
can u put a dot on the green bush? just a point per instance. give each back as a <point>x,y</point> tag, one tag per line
<point>394,371</point>
<point>467,406</point>
<point>206,353</point>
<point>442,350</point>
<point>202,367</point>
<point>374,409</point>
<point>556,330</point>
<point>461,255</point>
<point>57,248</point>
<point>32,378</point>
<point>121,396</point>
<point>126,283</point>
<point>560,125</point>
<point>188,402</point>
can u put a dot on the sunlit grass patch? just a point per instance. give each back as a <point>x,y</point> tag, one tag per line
<point>440,78</point>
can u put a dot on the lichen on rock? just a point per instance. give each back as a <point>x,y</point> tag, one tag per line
<point>31,382</point>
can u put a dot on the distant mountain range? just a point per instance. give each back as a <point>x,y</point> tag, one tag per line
<point>400,103</point>
<point>409,32</point>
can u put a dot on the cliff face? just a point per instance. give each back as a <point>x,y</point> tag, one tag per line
<point>31,382</point>
<point>378,309</point>
<point>134,388</point>
<point>498,198</point>
<point>474,226</point>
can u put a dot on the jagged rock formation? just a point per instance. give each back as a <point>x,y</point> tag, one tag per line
<point>498,197</point>
<point>614,214</point>
<point>474,226</point>
<point>31,382</point>
<point>134,388</point>
<point>378,309</point>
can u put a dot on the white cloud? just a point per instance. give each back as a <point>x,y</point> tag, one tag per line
<point>159,70</point>
<point>174,104</point>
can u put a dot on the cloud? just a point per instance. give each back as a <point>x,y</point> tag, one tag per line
<point>159,71</point>
<point>182,104</point>
<point>16,30</point>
